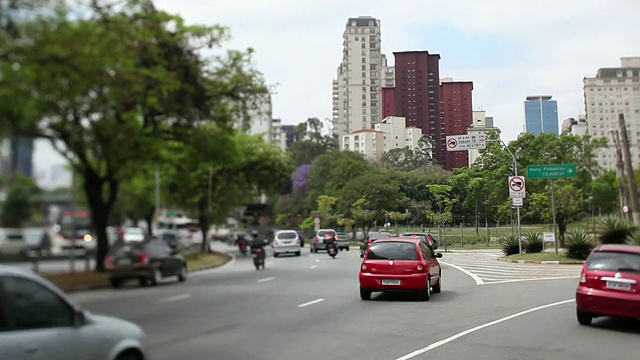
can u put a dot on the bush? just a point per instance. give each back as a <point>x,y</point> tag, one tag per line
<point>533,242</point>
<point>510,245</point>
<point>579,244</point>
<point>614,230</point>
<point>634,237</point>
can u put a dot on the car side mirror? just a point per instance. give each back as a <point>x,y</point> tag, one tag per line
<point>80,318</point>
<point>438,255</point>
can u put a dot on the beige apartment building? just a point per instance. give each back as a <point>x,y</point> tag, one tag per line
<point>390,133</point>
<point>611,92</point>
<point>356,90</point>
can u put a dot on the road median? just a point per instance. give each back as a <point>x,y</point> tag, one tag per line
<point>81,280</point>
<point>541,258</point>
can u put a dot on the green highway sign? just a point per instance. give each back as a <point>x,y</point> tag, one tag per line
<point>551,171</point>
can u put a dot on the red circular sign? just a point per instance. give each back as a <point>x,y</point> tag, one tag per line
<point>516,183</point>
<point>452,143</point>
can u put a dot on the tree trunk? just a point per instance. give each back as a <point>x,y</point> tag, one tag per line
<point>562,229</point>
<point>204,222</point>
<point>100,209</point>
<point>149,219</point>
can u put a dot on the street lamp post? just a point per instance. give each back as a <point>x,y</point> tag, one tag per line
<point>515,172</point>
<point>593,217</point>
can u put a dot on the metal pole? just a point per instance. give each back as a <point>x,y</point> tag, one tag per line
<point>461,233</point>
<point>72,258</point>
<point>157,191</point>
<point>620,172</point>
<point>633,189</point>
<point>486,222</point>
<point>553,210</point>
<point>515,171</point>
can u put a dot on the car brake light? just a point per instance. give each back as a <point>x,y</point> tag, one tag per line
<point>143,258</point>
<point>108,261</point>
<point>364,267</point>
<point>298,241</point>
<point>275,242</point>
<point>420,268</point>
<point>583,274</point>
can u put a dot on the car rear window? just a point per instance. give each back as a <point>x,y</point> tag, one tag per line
<point>323,233</point>
<point>379,235</point>
<point>287,235</point>
<point>614,261</point>
<point>396,250</point>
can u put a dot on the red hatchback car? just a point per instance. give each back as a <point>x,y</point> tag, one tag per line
<point>400,264</point>
<point>609,283</point>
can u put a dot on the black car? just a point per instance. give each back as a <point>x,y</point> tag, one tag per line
<point>371,236</point>
<point>430,238</point>
<point>148,262</point>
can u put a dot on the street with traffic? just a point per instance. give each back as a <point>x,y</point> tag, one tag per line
<point>308,307</point>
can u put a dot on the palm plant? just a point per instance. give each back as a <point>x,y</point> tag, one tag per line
<point>579,244</point>
<point>634,237</point>
<point>614,230</point>
<point>510,245</point>
<point>533,242</point>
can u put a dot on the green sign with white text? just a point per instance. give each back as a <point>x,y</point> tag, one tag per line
<point>551,171</point>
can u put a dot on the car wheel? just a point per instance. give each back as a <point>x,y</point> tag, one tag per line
<point>426,293</point>
<point>584,318</point>
<point>275,254</point>
<point>365,294</point>
<point>157,276</point>
<point>130,355</point>
<point>182,276</point>
<point>347,248</point>
<point>115,284</point>
<point>143,282</point>
<point>298,253</point>
<point>436,289</point>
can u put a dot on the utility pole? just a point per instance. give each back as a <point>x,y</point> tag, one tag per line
<point>157,196</point>
<point>633,190</point>
<point>620,172</point>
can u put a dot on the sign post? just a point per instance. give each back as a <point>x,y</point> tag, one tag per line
<point>552,172</point>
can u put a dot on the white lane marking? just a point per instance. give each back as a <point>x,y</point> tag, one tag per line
<point>266,279</point>
<point>473,276</point>
<point>480,327</point>
<point>310,303</point>
<point>533,279</point>
<point>174,298</point>
<point>313,266</point>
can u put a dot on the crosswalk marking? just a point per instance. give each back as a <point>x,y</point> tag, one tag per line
<point>485,269</point>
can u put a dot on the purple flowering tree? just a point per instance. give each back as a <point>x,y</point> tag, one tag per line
<point>300,185</point>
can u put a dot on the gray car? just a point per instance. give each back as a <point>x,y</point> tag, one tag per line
<point>342,239</point>
<point>38,321</point>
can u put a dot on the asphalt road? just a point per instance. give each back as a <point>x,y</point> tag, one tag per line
<point>308,307</point>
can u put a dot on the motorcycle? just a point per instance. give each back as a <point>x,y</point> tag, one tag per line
<point>332,248</point>
<point>242,245</point>
<point>258,258</point>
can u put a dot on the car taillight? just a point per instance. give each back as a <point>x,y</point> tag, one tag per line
<point>420,268</point>
<point>108,261</point>
<point>143,258</point>
<point>275,242</point>
<point>363,267</point>
<point>298,241</point>
<point>583,274</point>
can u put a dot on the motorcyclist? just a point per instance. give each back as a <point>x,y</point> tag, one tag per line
<point>256,243</point>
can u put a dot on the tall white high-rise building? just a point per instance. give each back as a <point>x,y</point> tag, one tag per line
<point>611,92</point>
<point>357,98</point>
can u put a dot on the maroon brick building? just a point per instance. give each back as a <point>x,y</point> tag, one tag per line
<point>456,109</point>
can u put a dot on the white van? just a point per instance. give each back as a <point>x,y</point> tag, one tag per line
<point>286,242</point>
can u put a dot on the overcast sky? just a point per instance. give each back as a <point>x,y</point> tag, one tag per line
<point>508,48</point>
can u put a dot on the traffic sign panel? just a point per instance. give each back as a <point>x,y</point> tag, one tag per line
<point>551,171</point>
<point>517,201</point>
<point>517,187</point>
<point>465,142</point>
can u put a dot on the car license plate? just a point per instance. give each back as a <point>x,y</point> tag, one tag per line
<point>390,282</point>
<point>618,285</point>
<point>124,261</point>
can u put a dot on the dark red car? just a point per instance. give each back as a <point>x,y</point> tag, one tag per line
<point>609,283</point>
<point>400,264</point>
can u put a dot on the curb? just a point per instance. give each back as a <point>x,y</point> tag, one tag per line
<point>214,252</point>
<point>543,262</point>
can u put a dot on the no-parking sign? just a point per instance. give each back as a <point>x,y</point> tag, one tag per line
<point>517,187</point>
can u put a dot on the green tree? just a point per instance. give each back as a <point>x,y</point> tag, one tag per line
<point>113,87</point>
<point>18,208</point>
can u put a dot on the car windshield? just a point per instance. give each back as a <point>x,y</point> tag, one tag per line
<point>287,235</point>
<point>614,261</point>
<point>324,232</point>
<point>137,231</point>
<point>396,250</point>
